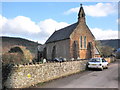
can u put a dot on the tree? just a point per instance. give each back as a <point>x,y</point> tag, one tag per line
<point>118,54</point>
<point>17,54</point>
<point>105,50</point>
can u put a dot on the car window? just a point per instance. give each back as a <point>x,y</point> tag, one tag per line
<point>95,60</point>
<point>103,60</point>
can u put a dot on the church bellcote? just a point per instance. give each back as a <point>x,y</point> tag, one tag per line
<point>81,14</point>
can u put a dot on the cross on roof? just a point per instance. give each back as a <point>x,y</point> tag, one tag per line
<point>81,5</point>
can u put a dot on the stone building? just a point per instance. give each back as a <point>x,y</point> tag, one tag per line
<point>74,41</point>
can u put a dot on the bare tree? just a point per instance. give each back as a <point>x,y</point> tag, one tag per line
<point>105,50</point>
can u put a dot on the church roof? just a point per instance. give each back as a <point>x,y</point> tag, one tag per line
<point>65,33</point>
<point>62,34</point>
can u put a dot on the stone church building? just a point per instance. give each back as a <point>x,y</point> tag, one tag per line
<point>74,41</point>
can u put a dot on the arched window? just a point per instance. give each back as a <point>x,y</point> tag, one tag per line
<point>84,41</point>
<point>80,41</point>
<point>54,52</point>
<point>75,50</point>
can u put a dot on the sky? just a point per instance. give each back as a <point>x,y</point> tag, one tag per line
<point>36,21</point>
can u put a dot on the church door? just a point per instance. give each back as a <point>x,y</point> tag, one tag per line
<point>75,50</point>
<point>90,49</point>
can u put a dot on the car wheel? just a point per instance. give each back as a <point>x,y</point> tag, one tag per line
<point>107,67</point>
<point>101,69</point>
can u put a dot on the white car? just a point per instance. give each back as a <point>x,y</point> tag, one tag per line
<point>99,63</point>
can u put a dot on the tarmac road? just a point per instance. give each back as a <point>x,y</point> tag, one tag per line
<point>108,78</point>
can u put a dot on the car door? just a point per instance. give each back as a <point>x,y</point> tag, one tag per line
<point>104,62</point>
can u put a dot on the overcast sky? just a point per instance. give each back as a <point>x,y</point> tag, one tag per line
<point>38,20</point>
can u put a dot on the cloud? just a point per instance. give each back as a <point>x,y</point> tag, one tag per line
<point>3,20</point>
<point>97,10</point>
<point>22,26</point>
<point>50,25</point>
<point>101,34</point>
<point>118,20</point>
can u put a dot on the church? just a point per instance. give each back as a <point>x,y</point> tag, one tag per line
<point>75,41</point>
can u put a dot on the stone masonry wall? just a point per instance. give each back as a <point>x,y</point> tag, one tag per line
<point>23,76</point>
<point>110,59</point>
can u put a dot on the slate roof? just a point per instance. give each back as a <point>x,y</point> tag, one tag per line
<point>62,34</point>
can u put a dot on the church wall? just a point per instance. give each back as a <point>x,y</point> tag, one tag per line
<point>62,49</point>
<point>82,30</point>
<point>75,50</point>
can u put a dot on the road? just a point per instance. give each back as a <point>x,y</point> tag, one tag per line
<point>108,78</point>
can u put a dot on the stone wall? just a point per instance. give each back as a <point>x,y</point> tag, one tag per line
<point>23,76</point>
<point>110,59</point>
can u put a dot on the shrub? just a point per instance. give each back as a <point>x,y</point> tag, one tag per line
<point>17,55</point>
<point>105,50</point>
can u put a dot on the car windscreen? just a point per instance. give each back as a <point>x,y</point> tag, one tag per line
<point>95,60</point>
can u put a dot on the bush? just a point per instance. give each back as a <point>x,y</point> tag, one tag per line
<point>17,55</point>
<point>105,51</point>
<point>10,58</point>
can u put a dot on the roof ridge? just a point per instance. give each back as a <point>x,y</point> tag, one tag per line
<point>62,34</point>
<point>66,26</point>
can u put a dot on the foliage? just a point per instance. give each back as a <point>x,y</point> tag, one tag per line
<point>26,53</point>
<point>9,42</point>
<point>17,56</point>
<point>10,58</point>
<point>6,70</point>
<point>105,50</point>
<point>117,53</point>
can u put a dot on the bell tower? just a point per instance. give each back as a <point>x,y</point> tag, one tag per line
<point>81,14</point>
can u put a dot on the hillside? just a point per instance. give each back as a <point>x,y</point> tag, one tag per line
<point>115,43</point>
<point>7,42</point>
